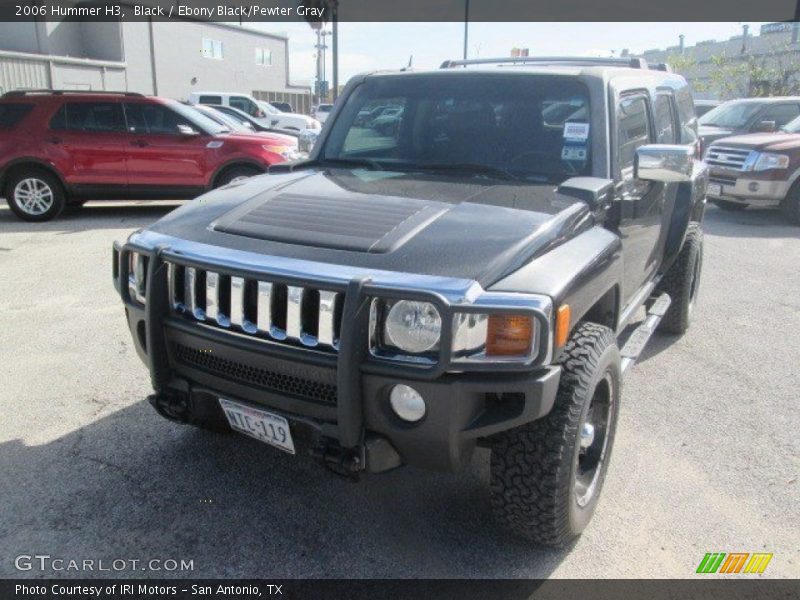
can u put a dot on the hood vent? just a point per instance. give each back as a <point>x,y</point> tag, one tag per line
<point>362,223</point>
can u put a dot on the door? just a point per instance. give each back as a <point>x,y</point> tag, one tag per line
<point>86,140</point>
<point>641,203</point>
<point>159,154</point>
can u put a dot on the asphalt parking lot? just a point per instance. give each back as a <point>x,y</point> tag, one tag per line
<point>707,455</point>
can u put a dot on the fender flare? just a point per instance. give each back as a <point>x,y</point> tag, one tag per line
<point>235,162</point>
<point>32,160</point>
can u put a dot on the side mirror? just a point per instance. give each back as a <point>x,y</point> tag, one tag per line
<point>665,163</point>
<point>595,191</point>
<point>306,140</point>
<point>187,131</point>
<point>765,126</point>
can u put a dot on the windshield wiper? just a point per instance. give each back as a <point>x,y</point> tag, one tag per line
<point>353,162</point>
<point>468,169</point>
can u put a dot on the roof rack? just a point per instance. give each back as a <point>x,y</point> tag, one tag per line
<point>14,93</point>
<point>573,61</point>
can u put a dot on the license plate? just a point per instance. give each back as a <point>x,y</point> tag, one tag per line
<point>260,424</point>
<point>714,189</point>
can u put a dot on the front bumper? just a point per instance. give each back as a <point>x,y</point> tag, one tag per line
<point>344,396</point>
<point>747,190</point>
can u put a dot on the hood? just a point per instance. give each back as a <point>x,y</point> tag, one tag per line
<point>265,137</point>
<point>709,133</point>
<point>764,141</point>
<point>414,223</point>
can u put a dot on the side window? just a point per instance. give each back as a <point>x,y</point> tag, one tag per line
<point>153,119</point>
<point>244,104</point>
<point>11,114</point>
<point>664,119</point>
<point>94,117</point>
<point>633,128</point>
<point>780,113</point>
<point>210,100</point>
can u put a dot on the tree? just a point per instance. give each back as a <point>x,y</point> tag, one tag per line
<point>774,72</point>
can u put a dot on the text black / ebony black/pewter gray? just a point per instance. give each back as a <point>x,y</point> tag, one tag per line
<point>459,263</point>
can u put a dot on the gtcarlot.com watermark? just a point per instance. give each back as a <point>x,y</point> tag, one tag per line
<point>57,564</point>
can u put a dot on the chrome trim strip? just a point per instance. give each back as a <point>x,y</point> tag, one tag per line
<point>237,301</point>
<point>294,302</point>
<point>264,314</point>
<point>325,324</point>
<point>212,295</point>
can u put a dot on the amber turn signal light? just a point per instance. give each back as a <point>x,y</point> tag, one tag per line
<point>509,335</point>
<point>562,325</point>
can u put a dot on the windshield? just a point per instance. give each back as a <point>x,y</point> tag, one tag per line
<point>531,127</point>
<point>733,115</point>
<point>324,108</point>
<point>199,119</point>
<point>268,108</point>
<point>792,126</point>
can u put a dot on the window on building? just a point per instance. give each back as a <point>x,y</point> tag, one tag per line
<point>100,117</point>
<point>633,128</point>
<point>212,49</point>
<point>264,57</point>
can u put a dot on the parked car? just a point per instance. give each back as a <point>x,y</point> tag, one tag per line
<point>222,119</point>
<point>750,115</point>
<point>701,107</point>
<point>306,140</point>
<point>64,147</point>
<point>248,121</point>
<point>467,282</point>
<point>367,115</point>
<point>759,169</point>
<point>321,112</point>
<point>388,121</point>
<point>263,112</point>
<point>283,107</point>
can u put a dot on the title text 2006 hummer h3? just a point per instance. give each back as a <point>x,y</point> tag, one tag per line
<point>457,275</point>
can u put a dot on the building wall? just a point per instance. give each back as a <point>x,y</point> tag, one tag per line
<point>117,56</point>
<point>736,47</point>
<point>179,60</point>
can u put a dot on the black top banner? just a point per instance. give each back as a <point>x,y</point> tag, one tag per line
<point>244,11</point>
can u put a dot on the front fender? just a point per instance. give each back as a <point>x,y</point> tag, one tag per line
<point>690,202</point>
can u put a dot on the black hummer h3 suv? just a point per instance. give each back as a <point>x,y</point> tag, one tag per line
<point>468,275</point>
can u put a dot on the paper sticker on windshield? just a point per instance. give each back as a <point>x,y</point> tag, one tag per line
<point>576,131</point>
<point>573,153</point>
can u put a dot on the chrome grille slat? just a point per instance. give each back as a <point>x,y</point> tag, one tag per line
<point>288,314</point>
<point>190,293</point>
<point>212,296</point>
<point>264,311</point>
<point>294,303</point>
<point>327,312</point>
<point>732,158</point>
<point>237,301</point>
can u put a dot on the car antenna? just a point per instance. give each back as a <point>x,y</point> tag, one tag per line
<point>410,64</point>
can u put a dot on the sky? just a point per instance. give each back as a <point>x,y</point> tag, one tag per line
<point>370,46</point>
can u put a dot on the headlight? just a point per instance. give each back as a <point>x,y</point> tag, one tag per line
<point>767,160</point>
<point>137,276</point>
<point>287,152</point>
<point>499,336</point>
<point>413,327</point>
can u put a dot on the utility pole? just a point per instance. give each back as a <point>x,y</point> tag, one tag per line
<point>335,50</point>
<point>466,27</point>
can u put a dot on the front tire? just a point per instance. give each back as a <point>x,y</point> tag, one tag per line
<point>35,195</point>
<point>236,174</point>
<point>682,282</point>
<point>790,206</point>
<point>546,476</point>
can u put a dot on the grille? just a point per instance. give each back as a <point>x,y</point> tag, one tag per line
<point>256,376</point>
<point>288,314</point>
<point>722,180</point>
<point>730,158</point>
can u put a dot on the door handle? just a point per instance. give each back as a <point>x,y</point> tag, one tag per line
<point>139,143</point>
<point>54,140</point>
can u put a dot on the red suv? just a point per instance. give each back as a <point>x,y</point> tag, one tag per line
<point>59,148</point>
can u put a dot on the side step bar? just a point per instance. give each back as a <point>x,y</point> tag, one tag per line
<point>638,340</point>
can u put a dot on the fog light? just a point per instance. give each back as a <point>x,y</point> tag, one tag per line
<point>407,403</point>
<point>753,186</point>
